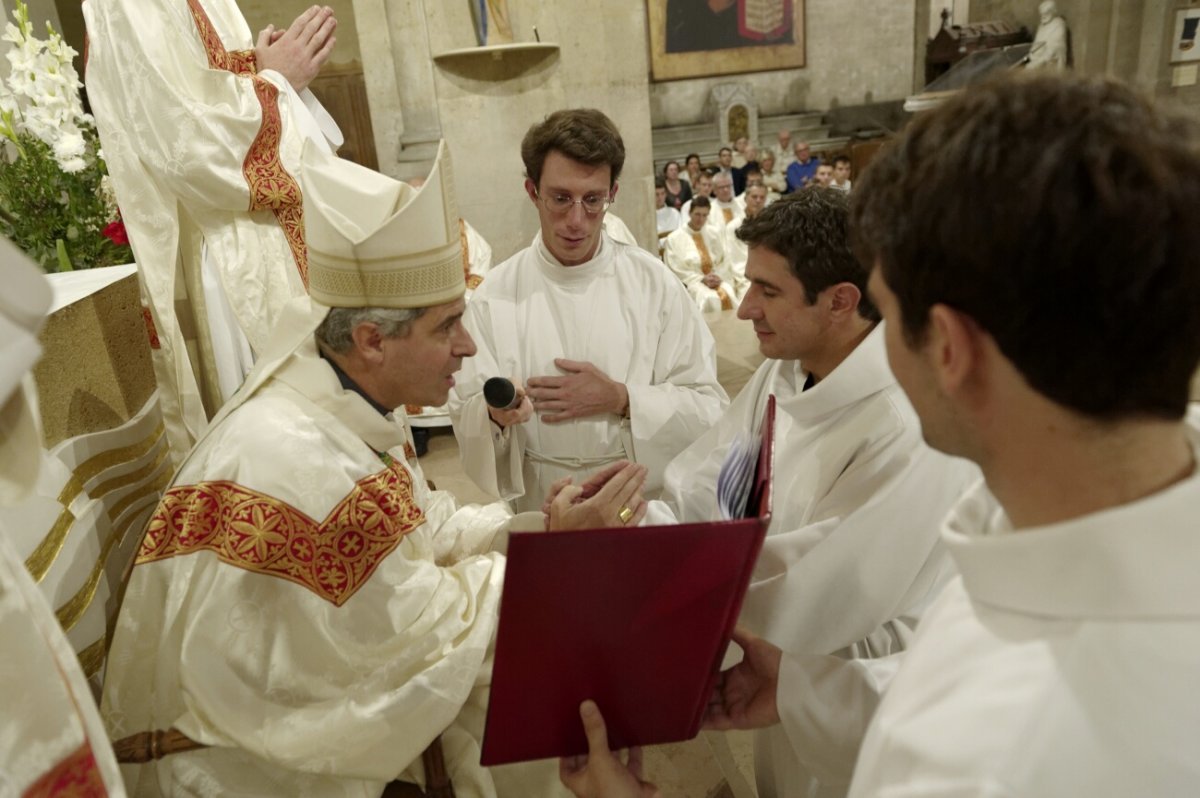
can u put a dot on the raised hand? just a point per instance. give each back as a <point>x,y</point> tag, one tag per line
<point>298,52</point>
<point>584,391</point>
<point>600,773</point>
<point>744,697</point>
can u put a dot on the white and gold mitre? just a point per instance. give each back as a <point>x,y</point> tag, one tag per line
<point>376,242</point>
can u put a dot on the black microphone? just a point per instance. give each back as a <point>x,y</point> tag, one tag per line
<point>501,394</point>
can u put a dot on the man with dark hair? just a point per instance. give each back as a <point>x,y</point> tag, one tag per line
<point>616,360</point>
<point>1049,334</point>
<point>851,555</point>
<point>841,173</point>
<point>724,164</point>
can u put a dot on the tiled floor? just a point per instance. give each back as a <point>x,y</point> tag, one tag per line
<point>691,769</point>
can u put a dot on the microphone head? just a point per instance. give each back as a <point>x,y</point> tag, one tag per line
<point>500,393</point>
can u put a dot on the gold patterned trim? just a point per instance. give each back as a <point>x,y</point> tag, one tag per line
<point>47,551</point>
<point>70,612</point>
<point>91,658</point>
<point>77,776</point>
<point>271,187</point>
<point>261,534</point>
<point>432,279</point>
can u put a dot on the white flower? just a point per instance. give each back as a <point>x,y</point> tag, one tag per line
<point>72,165</point>
<point>69,145</point>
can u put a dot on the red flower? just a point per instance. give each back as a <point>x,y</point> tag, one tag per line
<point>115,232</point>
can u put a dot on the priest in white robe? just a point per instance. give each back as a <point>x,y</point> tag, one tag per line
<point>303,606</point>
<point>851,556</point>
<point>736,251</point>
<point>726,212</point>
<point>696,254</point>
<point>615,360</point>
<point>52,741</point>
<point>202,130</point>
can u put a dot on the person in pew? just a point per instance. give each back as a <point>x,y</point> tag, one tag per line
<point>851,557</point>
<point>304,609</point>
<point>696,253</point>
<point>616,360</point>
<point>1062,660</point>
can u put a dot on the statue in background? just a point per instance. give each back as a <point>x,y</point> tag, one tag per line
<point>1051,44</point>
<point>492,25</point>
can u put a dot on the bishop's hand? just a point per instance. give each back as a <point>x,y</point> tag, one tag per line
<point>744,697</point>
<point>298,52</point>
<point>584,391</point>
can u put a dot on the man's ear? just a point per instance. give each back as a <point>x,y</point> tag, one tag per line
<point>612,194</point>
<point>843,298</point>
<point>956,348</point>
<point>531,190</point>
<point>368,342</point>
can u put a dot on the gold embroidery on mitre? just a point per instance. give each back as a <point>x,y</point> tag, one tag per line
<point>271,187</point>
<point>250,530</point>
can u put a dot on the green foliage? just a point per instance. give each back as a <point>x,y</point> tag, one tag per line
<point>43,208</point>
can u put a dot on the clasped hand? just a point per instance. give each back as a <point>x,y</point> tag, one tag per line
<point>712,280</point>
<point>584,391</point>
<point>598,501</point>
<point>298,52</point>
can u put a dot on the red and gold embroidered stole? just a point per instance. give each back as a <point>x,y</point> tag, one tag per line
<point>77,776</point>
<point>271,187</point>
<point>259,533</point>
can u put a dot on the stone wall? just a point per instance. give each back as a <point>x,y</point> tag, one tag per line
<point>483,106</point>
<point>857,52</point>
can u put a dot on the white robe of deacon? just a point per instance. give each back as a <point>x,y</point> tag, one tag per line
<point>305,604</point>
<point>203,150</point>
<point>851,557</point>
<point>683,256</point>
<point>621,311</point>
<point>1063,661</point>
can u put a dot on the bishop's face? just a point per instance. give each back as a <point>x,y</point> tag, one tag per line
<point>418,368</point>
<point>572,236</point>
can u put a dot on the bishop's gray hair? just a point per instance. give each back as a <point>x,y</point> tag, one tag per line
<point>336,332</point>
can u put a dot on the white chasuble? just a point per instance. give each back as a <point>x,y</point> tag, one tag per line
<point>202,149</point>
<point>851,556</point>
<point>694,254</point>
<point>623,312</point>
<point>306,606</point>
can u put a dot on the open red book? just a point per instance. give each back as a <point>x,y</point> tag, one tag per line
<point>636,619</point>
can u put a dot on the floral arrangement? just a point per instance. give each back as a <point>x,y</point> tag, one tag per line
<point>55,200</point>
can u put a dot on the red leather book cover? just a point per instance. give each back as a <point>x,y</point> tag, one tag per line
<point>637,619</point>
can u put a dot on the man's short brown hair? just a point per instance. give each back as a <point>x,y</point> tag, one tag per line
<point>581,134</point>
<point>1063,216</point>
<point>811,229</point>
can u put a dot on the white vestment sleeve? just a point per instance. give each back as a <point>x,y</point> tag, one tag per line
<point>491,456</point>
<point>825,705</point>
<point>684,400</point>
<point>680,255</point>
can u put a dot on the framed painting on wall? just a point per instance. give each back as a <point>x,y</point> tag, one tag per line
<point>702,38</point>
<point>1184,47</point>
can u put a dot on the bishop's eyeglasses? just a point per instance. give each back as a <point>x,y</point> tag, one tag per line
<point>559,203</point>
